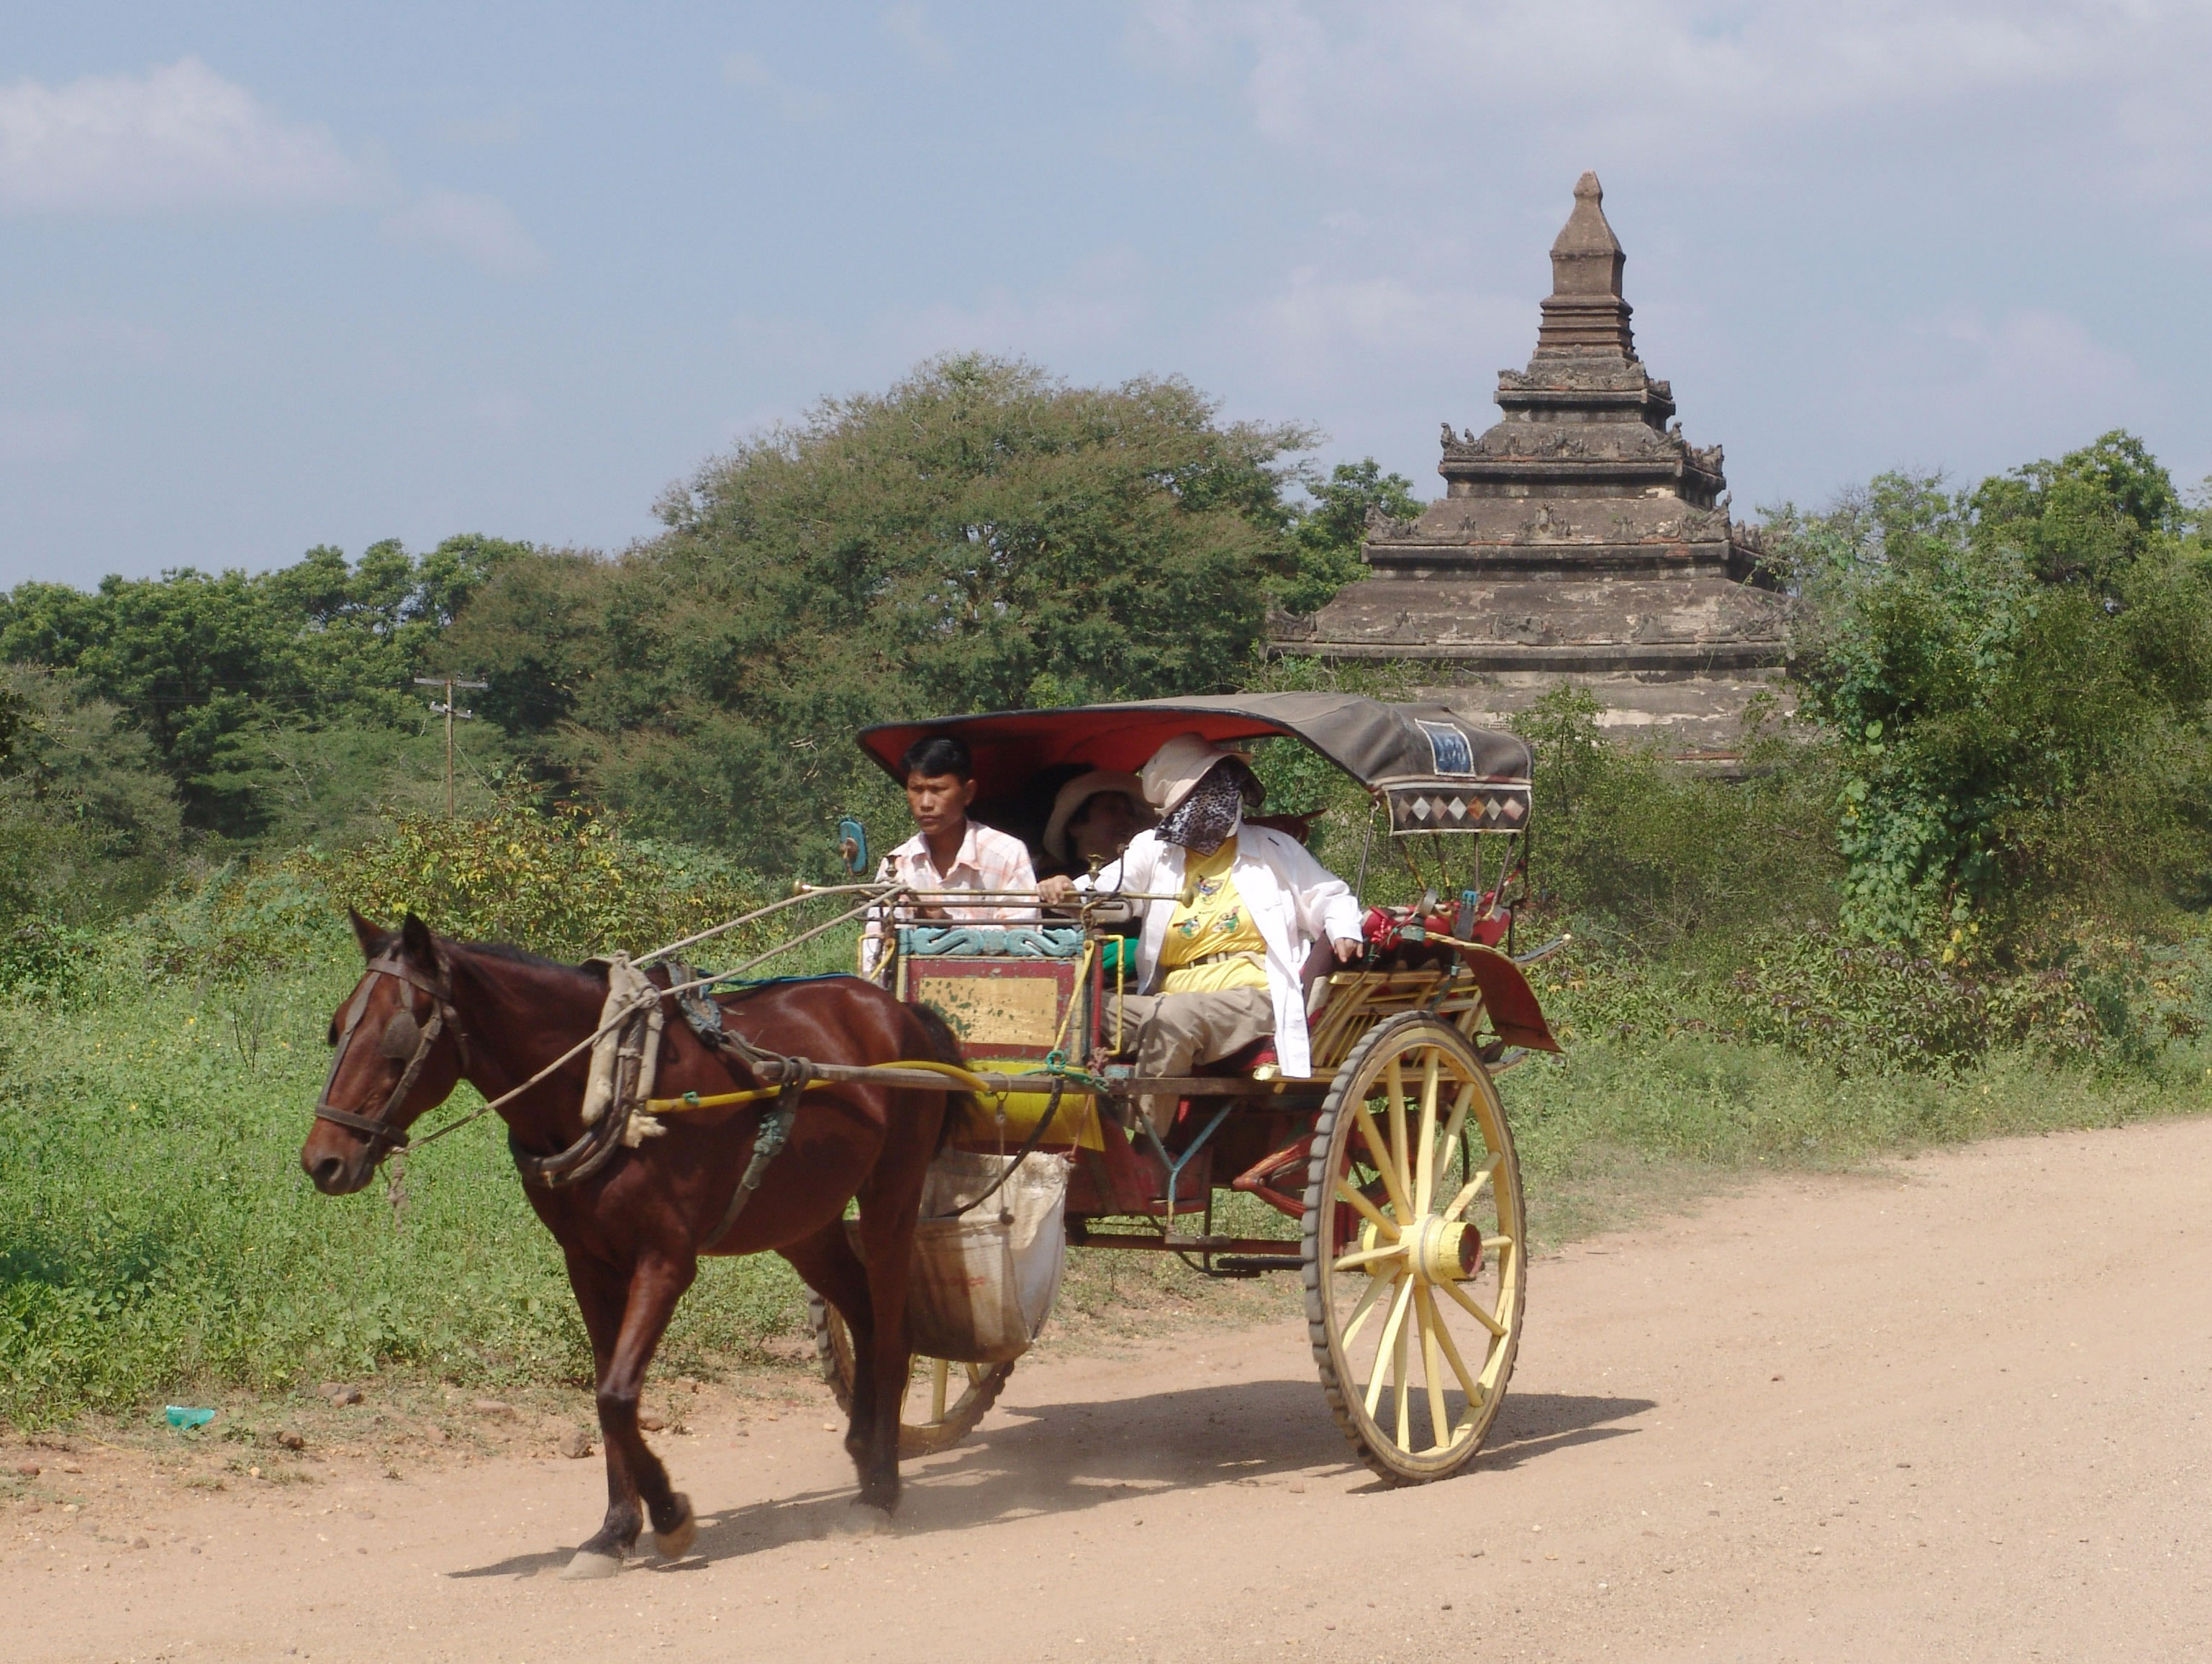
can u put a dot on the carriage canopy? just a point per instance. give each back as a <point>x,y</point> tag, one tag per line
<point>1435,771</point>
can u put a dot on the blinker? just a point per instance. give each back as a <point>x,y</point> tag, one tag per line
<point>401,1035</point>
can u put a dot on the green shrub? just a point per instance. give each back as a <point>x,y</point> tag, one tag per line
<point>567,883</point>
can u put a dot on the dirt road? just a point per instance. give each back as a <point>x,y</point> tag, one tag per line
<point>1956,1411</point>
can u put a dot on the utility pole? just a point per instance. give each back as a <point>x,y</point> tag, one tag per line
<point>445,709</point>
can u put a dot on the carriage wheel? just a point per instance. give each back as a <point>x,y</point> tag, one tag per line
<point>944,1400</point>
<point>1416,1259</point>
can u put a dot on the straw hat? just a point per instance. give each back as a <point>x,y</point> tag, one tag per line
<point>1071,798</point>
<point>1178,766</point>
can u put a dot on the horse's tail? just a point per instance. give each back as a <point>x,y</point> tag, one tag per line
<point>944,1046</point>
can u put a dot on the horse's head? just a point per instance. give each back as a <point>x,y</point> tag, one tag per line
<point>400,1051</point>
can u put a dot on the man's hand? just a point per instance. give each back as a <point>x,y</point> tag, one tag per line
<point>1348,948</point>
<point>1057,888</point>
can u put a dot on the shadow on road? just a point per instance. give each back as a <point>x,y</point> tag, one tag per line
<point>1060,1457</point>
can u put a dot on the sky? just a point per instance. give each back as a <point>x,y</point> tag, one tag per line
<point>277,276</point>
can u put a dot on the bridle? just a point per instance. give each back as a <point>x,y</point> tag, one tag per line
<point>379,1127</point>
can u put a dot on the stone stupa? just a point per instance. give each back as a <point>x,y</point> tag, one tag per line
<point>1580,538</point>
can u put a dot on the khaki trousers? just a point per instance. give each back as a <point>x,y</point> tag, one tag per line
<point>1172,1033</point>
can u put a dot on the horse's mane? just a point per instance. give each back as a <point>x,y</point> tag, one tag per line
<point>596,969</point>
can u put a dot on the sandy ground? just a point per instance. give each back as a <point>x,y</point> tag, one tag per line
<point>1953,1411</point>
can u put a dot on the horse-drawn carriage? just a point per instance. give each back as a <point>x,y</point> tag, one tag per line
<point>1386,1178</point>
<point>1384,1175</point>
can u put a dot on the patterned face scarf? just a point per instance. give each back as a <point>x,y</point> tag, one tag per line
<point>1209,816</point>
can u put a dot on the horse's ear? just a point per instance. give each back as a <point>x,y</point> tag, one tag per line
<point>416,938</point>
<point>368,935</point>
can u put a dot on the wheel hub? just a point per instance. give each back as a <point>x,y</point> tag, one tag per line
<point>1445,1250</point>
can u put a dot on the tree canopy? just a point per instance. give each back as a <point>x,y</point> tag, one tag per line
<point>980,536</point>
<point>213,669</point>
<point>2017,676</point>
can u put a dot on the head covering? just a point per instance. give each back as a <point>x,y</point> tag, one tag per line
<point>1179,765</point>
<point>1069,802</point>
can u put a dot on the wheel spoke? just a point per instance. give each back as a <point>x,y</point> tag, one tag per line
<point>1395,1075</point>
<point>1369,1256</point>
<point>1425,1312</point>
<point>1474,1389</point>
<point>1473,1309</point>
<point>1387,1352</point>
<point>1382,1221</point>
<point>1450,1136</point>
<point>1365,1308</point>
<point>940,1372</point>
<point>1425,1171</point>
<point>1385,1166</point>
<point>1473,1188</point>
<point>1400,1384</point>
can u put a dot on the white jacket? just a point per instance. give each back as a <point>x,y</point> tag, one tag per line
<point>1294,901</point>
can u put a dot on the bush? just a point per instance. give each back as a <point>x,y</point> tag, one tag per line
<point>1646,854</point>
<point>2016,680</point>
<point>567,883</point>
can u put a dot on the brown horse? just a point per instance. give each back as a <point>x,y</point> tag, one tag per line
<point>430,1012</point>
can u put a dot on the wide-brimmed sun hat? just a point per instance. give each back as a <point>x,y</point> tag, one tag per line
<point>1071,798</point>
<point>1178,766</point>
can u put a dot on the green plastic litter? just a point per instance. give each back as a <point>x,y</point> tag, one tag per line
<point>179,1416</point>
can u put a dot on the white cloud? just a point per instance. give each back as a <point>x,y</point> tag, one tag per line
<point>1367,75</point>
<point>2027,382</point>
<point>909,25</point>
<point>483,230</point>
<point>178,137</point>
<point>1317,329</point>
<point>1098,300</point>
<point>747,70</point>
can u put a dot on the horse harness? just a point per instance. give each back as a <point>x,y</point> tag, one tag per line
<point>789,1076</point>
<point>404,1036</point>
<point>623,1123</point>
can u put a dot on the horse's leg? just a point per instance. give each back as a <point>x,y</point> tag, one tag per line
<point>602,1293</point>
<point>655,1286</point>
<point>887,1227</point>
<point>642,1304</point>
<point>826,1263</point>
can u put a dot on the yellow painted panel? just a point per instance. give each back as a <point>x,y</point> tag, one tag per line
<point>995,1011</point>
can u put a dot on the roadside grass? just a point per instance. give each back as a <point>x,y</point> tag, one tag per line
<point>158,1242</point>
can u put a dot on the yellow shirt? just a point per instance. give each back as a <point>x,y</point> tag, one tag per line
<point>1210,918</point>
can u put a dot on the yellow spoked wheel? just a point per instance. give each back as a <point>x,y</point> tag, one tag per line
<point>1415,1249</point>
<point>944,1400</point>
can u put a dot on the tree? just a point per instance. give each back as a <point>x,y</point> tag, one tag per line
<point>981,535</point>
<point>2018,678</point>
<point>206,666</point>
<point>88,825</point>
<point>1329,534</point>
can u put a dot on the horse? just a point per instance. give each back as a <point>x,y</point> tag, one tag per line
<point>429,1013</point>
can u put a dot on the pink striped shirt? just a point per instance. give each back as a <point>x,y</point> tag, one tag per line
<point>989,859</point>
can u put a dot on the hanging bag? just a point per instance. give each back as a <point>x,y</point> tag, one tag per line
<point>984,1283</point>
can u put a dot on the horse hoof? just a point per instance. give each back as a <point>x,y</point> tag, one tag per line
<point>676,1544</point>
<point>589,1566</point>
<point>864,1519</point>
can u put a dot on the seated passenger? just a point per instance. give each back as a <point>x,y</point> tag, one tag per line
<point>948,850</point>
<point>1218,968</point>
<point>1094,815</point>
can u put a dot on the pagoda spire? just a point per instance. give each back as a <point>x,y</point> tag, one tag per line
<point>1584,315</point>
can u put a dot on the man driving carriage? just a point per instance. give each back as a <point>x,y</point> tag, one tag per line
<point>1222,965</point>
<point>949,851</point>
